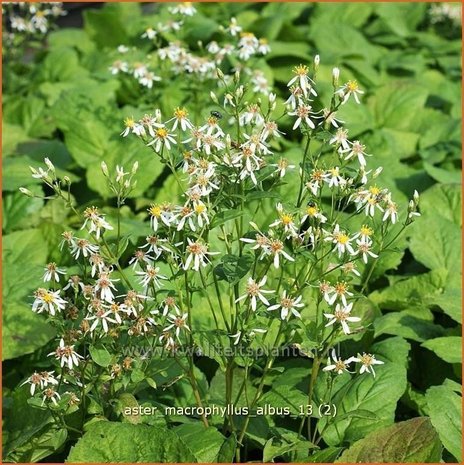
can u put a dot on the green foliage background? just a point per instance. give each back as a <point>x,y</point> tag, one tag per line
<point>66,105</point>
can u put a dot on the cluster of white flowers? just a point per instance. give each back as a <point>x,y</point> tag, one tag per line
<point>441,12</point>
<point>214,163</point>
<point>182,60</point>
<point>340,366</point>
<point>34,18</point>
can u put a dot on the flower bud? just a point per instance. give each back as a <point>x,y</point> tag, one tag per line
<point>49,164</point>
<point>135,167</point>
<point>317,60</point>
<point>104,168</point>
<point>219,74</point>
<point>67,180</point>
<point>335,76</point>
<point>377,172</point>
<point>127,184</point>
<point>272,97</point>
<point>237,77</point>
<point>33,170</point>
<point>214,97</point>
<point>239,92</point>
<point>254,225</point>
<point>416,197</point>
<point>26,192</point>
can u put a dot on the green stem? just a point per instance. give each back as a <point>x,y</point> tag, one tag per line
<point>303,168</point>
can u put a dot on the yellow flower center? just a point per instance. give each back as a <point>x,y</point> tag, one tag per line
<point>180,113</point>
<point>286,219</point>
<point>129,122</point>
<point>366,231</point>
<point>48,298</point>
<point>374,190</point>
<point>341,288</point>
<point>161,133</point>
<point>340,365</point>
<point>352,86</point>
<point>342,238</point>
<point>311,211</point>
<point>301,70</point>
<point>366,359</point>
<point>199,209</point>
<point>155,210</point>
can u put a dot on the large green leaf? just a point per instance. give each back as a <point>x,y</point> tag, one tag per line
<point>347,42</point>
<point>409,324</point>
<point>29,113</point>
<point>401,19</point>
<point>205,443</point>
<point>62,64</point>
<point>447,348</point>
<point>109,26</point>
<point>33,435</point>
<point>445,410</point>
<point>24,246</point>
<point>443,200</point>
<point>411,441</point>
<point>438,245</point>
<point>349,13</point>
<point>396,104</point>
<point>23,331</point>
<point>71,37</point>
<point>20,211</point>
<point>123,442</point>
<point>410,292</point>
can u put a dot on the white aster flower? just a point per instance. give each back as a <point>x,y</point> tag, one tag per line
<point>179,322</point>
<point>356,150</point>
<point>282,166</point>
<point>286,221</point>
<point>342,316</point>
<point>48,301</point>
<point>97,222</point>
<point>338,291</point>
<point>66,355</point>
<point>302,80</point>
<point>162,139</point>
<point>254,291</point>
<point>50,394</point>
<point>102,317</point>
<point>276,248</point>
<point>181,118</point>
<point>42,380</point>
<point>159,213</point>
<point>351,88</point>
<point>52,272</point>
<point>364,248</point>
<point>367,360</point>
<point>233,28</point>
<point>288,306</point>
<point>340,138</point>
<point>303,112</point>
<point>197,255</point>
<point>337,364</point>
<point>151,275</point>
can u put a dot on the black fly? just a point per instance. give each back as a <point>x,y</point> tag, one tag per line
<point>216,114</point>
